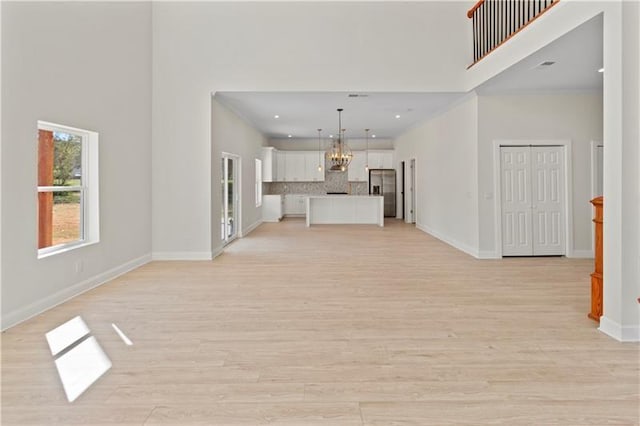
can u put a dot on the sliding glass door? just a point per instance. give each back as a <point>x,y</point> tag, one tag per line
<point>230,198</point>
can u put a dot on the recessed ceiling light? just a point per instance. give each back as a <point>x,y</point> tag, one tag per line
<point>373,136</point>
<point>276,116</point>
<point>289,136</point>
<point>330,136</point>
<point>397,115</point>
<point>601,70</point>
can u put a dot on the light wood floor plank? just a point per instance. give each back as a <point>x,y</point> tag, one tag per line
<point>335,325</point>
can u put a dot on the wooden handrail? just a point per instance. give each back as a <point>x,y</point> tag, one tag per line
<point>496,21</point>
<point>473,9</point>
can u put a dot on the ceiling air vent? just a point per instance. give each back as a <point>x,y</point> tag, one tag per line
<point>544,64</point>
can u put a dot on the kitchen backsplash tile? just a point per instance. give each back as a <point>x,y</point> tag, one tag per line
<point>334,182</point>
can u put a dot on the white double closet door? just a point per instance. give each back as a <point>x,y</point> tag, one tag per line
<point>533,200</point>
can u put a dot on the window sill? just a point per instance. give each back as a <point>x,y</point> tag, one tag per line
<point>52,251</point>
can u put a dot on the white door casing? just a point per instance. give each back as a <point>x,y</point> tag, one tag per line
<point>515,166</point>
<point>412,189</point>
<point>533,199</point>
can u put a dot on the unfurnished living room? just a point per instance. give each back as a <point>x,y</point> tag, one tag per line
<point>320,212</point>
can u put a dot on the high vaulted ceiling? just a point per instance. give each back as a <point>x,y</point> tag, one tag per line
<point>301,114</point>
<point>576,58</point>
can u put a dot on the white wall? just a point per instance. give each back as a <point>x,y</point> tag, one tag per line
<point>231,134</point>
<point>201,48</point>
<point>445,149</point>
<point>621,318</point>
<point>630,315</point>
<point>85,66</point>
<point>573,116</point>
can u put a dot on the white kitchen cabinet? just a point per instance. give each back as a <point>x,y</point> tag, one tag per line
<point>272,208</point>
<point>311,161</point>
<point>281,165</point>
<point>356,171</point>
<point>299,166</point>
<point>381,159</point>
<point>294,168</point>
<point>294,204</point>
<point>269,164</point>
<point>387,160</point>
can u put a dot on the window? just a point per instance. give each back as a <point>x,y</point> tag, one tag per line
<point>67,188</point>
<point>258,182</point>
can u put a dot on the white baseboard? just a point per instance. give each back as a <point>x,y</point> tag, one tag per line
<point>488,254</point>
<point>217,252</point>
<point>628,333</point>
<point>183,255</point>
<point>454,243</point>
<point>581,254</point>
<point>250,228</point>
<point>14,318</point>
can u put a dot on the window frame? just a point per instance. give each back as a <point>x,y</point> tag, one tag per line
<point>88,189</point>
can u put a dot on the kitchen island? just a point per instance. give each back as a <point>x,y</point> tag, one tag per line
<point>345,209</point>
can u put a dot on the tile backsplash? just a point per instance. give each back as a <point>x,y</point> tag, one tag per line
<point>333,182</point>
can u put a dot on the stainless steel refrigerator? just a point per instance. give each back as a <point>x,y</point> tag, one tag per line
<point>383,182</point>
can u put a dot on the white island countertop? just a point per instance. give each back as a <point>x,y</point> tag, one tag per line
<point>345,209</point>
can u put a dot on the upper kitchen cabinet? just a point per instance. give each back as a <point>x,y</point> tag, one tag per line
<point>381,159</point>
<point>269,164</point>
<point>312,160</point>
<point>294,169</point>
<point>356,171</point>
<point>281,165</point>
<point>301,166</point>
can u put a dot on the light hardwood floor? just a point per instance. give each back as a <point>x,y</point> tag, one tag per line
<point>335,325</point>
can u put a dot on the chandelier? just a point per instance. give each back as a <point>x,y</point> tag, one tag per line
<point>339,154</point>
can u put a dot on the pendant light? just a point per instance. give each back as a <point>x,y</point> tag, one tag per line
<point>319,152</point>
<point>366,163</point>
<point>339,154</point>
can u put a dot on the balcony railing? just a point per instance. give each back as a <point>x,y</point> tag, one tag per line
<point>495,21</point>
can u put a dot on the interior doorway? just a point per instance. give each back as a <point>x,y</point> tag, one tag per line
<point>533,193</point>
<point>230,206</point>
<point>402,185</point>
<point>412,191</point>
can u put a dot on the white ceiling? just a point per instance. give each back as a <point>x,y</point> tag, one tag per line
<point>577,57</point>
<point>302,113</point>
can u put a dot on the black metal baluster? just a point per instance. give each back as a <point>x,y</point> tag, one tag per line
<point>494,8</point>
<point>500,20</point>
<point>488,25</point>
<point>475,38</point>
<point>482,25</point>
<point>495,23</point>
<point>485,34</point>
<point>513,17</point>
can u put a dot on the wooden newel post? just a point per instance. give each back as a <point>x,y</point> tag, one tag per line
<point>45,178</point>
<point>596,276</point>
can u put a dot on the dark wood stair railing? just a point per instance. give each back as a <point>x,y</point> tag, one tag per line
<point>495,21</point>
